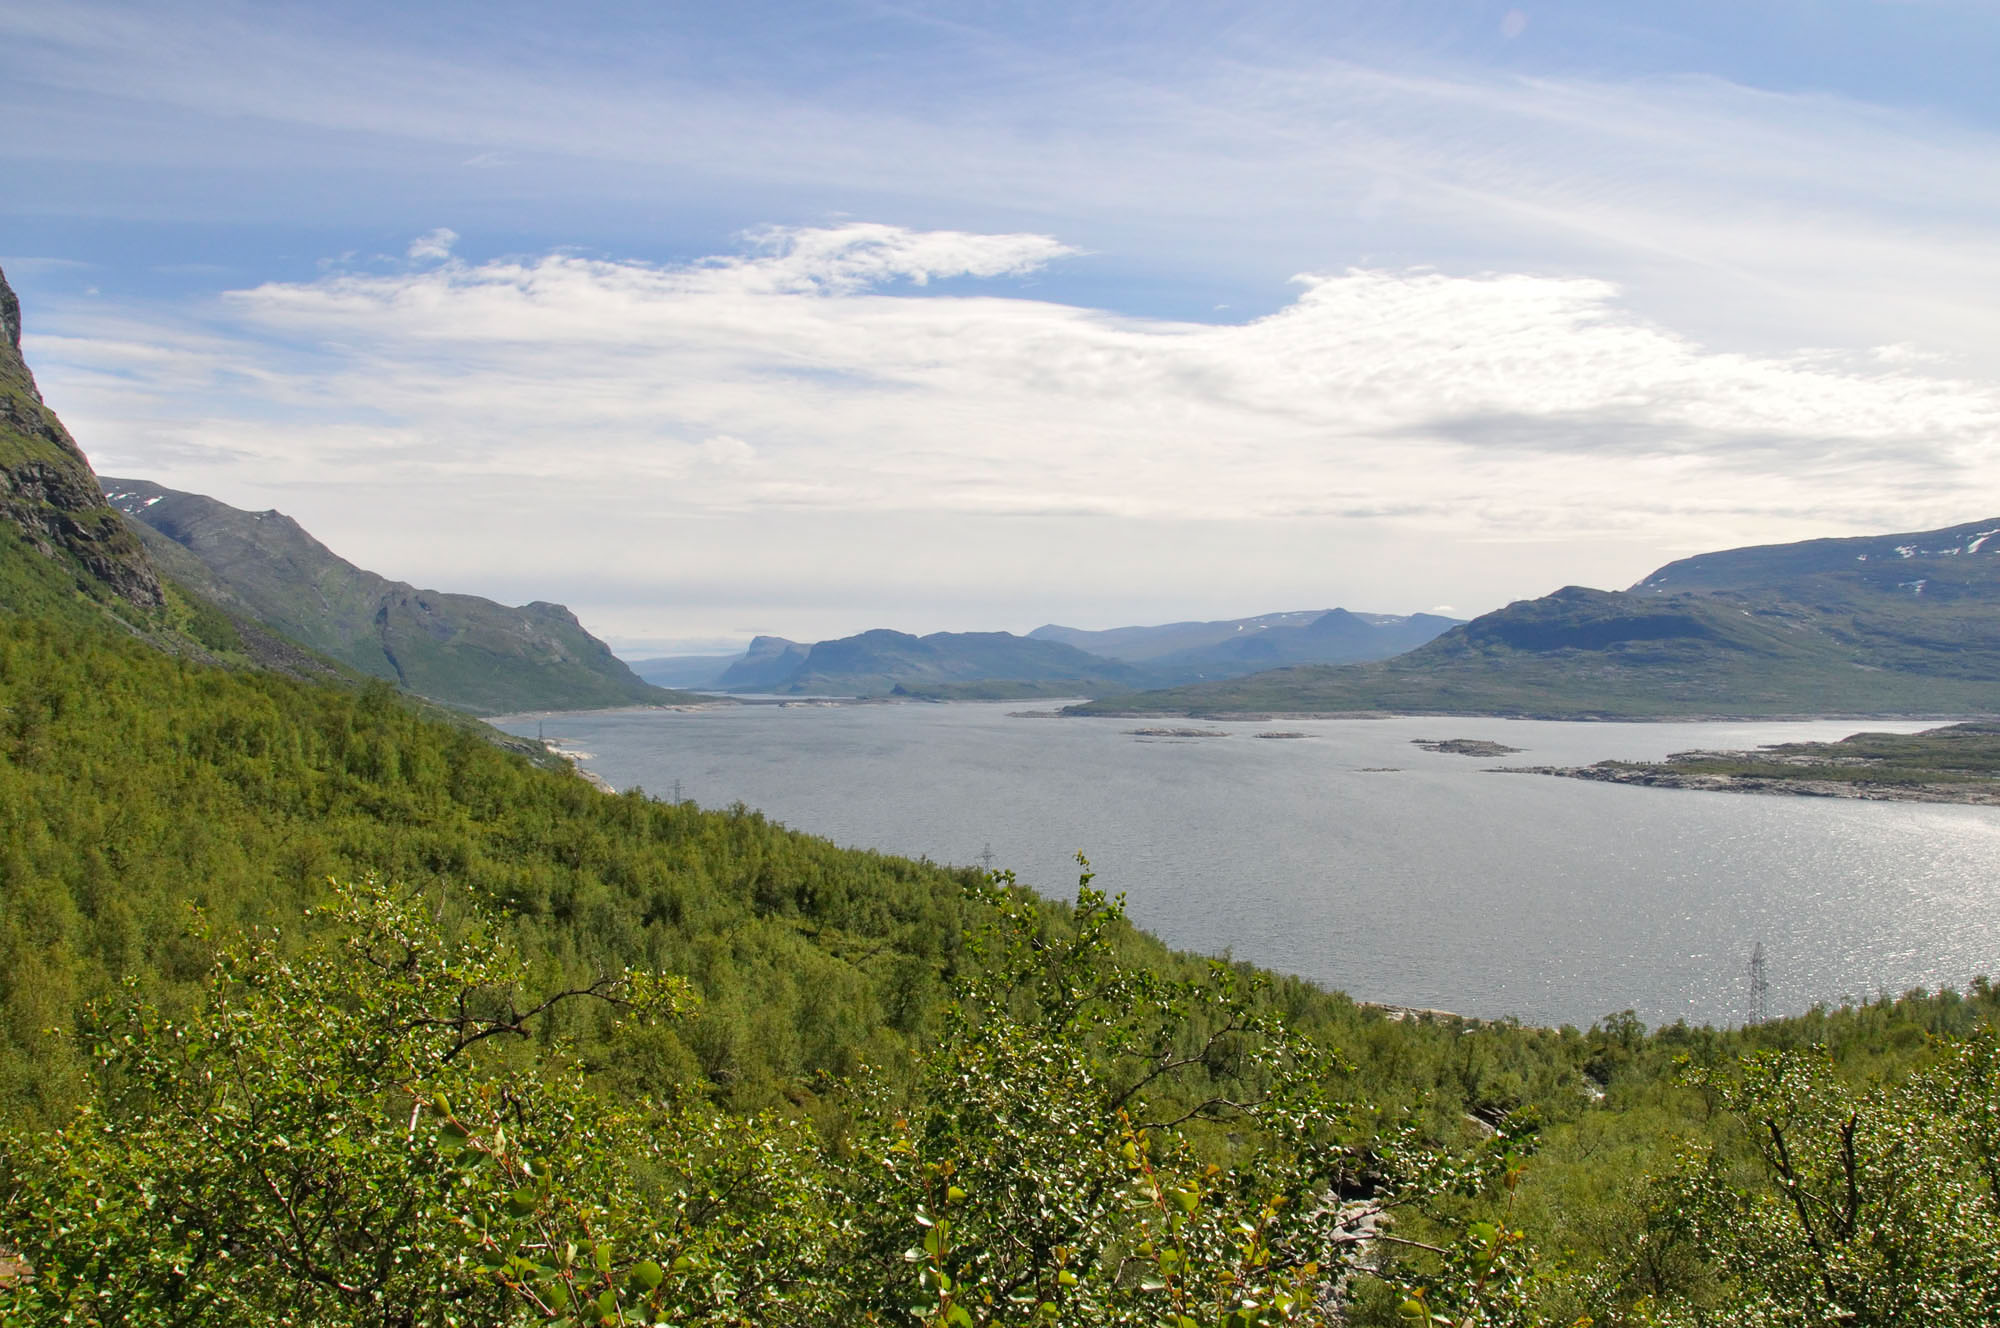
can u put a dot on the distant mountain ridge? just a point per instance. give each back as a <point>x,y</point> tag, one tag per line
<point>1135,644</point>
<point>1889,624</point>
<point>883,662</point>
<point>461,650</point>
<point>1233,647</point>
<point>1051,660</point>
<point>1954,561</point>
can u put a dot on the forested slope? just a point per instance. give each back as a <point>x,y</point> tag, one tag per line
<point>577,1057</point>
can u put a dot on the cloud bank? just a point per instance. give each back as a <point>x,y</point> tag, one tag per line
<point>852,368</point>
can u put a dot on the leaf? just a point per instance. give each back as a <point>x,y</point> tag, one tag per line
<point>648,1274</point>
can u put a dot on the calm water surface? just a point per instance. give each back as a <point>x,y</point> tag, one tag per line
<point>1357,859</point>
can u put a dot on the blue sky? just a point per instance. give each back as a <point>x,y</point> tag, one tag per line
<point>808,318</point>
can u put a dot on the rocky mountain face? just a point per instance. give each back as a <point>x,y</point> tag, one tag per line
<point>49,497</point>
<point>1889,624</point>
<point>771,664</point>
<point>461,650</point>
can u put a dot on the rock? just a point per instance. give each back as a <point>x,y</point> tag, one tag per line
<point>1465,746</point>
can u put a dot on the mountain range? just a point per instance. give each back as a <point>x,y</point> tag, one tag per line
<point>1235,647</point>
<point>1889,624</point>
<point>1051,660</point>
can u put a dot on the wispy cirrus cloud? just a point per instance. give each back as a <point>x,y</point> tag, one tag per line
<point>1232,152</point>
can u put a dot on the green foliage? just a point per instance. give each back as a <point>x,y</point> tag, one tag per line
<point>382,1126</point>
<point>1055,1154</point>
<point>374,1131</point>
<point>1866,1204</point>
<point>601,1059</point>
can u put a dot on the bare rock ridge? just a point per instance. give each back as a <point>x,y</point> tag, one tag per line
<point>48,493</point>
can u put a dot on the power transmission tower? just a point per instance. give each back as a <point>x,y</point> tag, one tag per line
<point>677,792</point>
<point>986,857</point>
<point>1760,986</point>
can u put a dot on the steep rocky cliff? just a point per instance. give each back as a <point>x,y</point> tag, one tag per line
<point>47,491</point>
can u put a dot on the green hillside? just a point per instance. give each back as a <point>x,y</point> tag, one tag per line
<point>1897,624</point>
<point>460,650</point>
<point>781,1066</point>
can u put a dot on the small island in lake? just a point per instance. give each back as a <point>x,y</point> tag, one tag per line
<point>1176,733</point>
<point>1465,746</point>
<point>1957,763</point>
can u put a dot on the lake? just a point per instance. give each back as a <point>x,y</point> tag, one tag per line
<point>1354,858</point>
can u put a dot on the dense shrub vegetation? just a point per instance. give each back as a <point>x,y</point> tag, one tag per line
<point>548,1054</point>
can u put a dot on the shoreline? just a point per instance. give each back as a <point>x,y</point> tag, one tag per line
<point>1969,794</point>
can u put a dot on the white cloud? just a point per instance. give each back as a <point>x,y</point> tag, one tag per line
<point>1205,146</point>
<point>434,245</point>
<point>794,377</point>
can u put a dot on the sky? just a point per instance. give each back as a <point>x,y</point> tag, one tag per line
<point>803,319</point>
